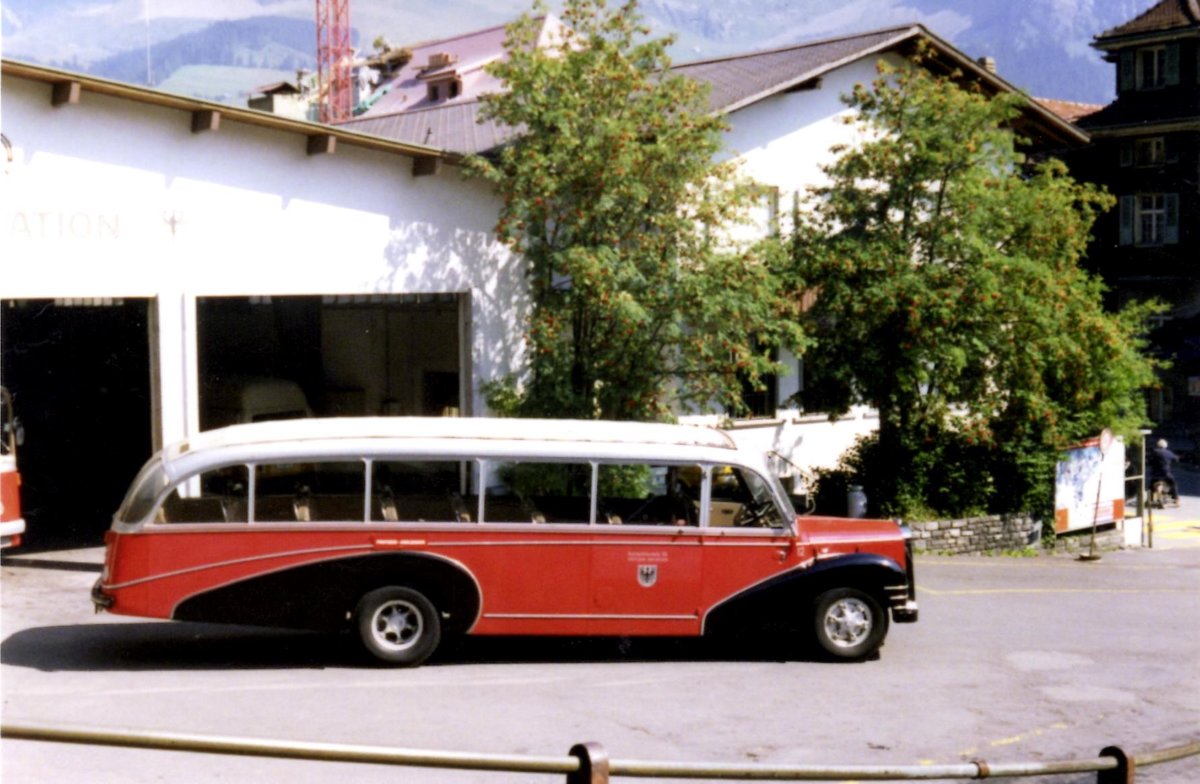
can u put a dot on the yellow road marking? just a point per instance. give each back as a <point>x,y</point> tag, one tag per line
<point>984,562</point>
<point>1036,732</point>
<point>995,591</point>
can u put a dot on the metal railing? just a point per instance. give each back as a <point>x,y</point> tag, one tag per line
<point>588,763</point>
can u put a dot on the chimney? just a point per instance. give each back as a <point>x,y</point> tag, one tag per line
<point>988,63</point>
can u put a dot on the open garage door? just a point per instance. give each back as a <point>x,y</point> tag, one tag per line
<point>363,355</point>
<point>79,373</point>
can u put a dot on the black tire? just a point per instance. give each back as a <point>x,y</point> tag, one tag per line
<point>398,626</point>
<point>849,623</point>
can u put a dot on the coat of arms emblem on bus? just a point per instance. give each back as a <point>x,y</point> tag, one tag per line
<point>647,575</point>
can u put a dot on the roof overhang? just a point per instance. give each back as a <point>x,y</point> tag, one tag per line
<point>76,84</point>
<point>1148,38</point>
<point>1141,128</point>
<point>905,39</point>
<point>1034,114</point>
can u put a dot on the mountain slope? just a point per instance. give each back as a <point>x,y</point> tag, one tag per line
<point>275,43</point>
<point>1039,45</point>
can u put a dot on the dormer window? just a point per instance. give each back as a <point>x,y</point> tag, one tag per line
<point>450,88</point>
<point>441,77</point>
<point>1149,67</point>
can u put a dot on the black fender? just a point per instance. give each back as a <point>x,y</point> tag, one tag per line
<point>785,600</point>
<point>322,595</point>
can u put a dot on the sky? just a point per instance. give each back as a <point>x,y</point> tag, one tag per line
<point>1041,45</point>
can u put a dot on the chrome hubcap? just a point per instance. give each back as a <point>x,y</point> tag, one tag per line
<point>397,625</point>
<point>848,622</point>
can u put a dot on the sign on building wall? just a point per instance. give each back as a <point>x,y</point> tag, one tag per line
<point>1089,485</point>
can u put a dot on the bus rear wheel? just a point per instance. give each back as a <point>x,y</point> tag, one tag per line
<point>398,626</point>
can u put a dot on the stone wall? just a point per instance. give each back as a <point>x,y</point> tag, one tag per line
<point>976,534</point>
<point>999,533</point>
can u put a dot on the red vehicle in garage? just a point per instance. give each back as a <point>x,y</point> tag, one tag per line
<point>12,524</point>
<point>405,530</point>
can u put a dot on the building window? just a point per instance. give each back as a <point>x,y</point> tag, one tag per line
<point>1152,67</point>
<point>444,89</point>
<point>1150,219</point>
<point>1149,68</point>
<point>768,209</point>
<point>1150,152</point>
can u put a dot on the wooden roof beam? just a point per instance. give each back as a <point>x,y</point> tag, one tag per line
<point>322,144</point>
<point>206,120</point>
<point>62,93</point>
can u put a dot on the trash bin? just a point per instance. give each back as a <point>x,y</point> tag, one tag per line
<point>856,501</point>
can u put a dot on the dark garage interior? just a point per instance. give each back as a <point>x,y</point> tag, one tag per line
<point>79,373</point>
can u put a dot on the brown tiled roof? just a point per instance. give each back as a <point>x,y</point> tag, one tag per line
<point>1069,110</point>
<point>1120,114</point>
<point>736,81</point>
<point>739,80</point>
<point>1164,15</point>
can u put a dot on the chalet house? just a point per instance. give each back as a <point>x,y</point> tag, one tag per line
<point>165,255</point>
<point>783,105</point>
<point>1146,150</point>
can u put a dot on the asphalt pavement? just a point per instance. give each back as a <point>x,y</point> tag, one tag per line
<point>1014,659</point>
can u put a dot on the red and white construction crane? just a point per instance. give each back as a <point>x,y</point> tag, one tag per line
<point>334,60</point>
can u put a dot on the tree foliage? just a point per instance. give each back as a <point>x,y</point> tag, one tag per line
<point>642,299</point>
<point>951,299</point>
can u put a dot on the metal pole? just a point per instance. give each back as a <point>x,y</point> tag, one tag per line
<point>1122,773</point>
<point>593,764</point>
<point>287,749</point>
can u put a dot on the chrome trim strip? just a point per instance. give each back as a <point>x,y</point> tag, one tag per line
<point>587,617</point>
<point>236,561</point>
<point>783,541</point>
<point>540,543</point>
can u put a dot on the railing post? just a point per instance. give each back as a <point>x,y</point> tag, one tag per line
<point>593,764</point>
<point>1123,773</point>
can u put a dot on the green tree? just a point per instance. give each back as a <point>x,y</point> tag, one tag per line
<point>951,299</point>
<point>643,301</point>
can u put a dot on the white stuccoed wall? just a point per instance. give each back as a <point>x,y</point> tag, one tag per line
<point>88,199</point>
<point>783,141</point>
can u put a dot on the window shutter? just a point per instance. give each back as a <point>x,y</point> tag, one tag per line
<point>1126,153</point>
<point>1125,71</point>
<point>1127,220</point>
<point>1171,77</point>
<point>1171,231</point>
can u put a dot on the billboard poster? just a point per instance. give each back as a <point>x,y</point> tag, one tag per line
<point>1090,485</point>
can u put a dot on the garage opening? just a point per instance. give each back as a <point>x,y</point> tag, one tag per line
<point>79,374</point>
<point>363,355</point>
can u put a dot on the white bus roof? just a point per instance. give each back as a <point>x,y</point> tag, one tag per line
<point>433,428</point>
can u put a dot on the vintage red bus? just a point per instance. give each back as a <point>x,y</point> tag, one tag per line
<point>406,530</point>
<point>12,524</point>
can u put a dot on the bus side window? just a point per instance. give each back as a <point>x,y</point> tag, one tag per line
<point>421,491</point>
<point>646,494</point>
<point>537,492</point>
<point>215,497</point>
<point>310,493</point>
